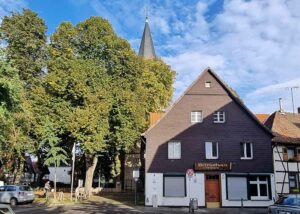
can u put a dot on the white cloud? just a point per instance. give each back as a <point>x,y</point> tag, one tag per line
<point>253,45</point>
<point>8,6</point>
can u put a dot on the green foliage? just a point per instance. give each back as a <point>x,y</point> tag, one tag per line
<point>51,144</point>
<point>14,115</point>
<point>24,34</point>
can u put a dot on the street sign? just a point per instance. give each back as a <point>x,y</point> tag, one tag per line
<point>190,172</point>
<point>136,174</point>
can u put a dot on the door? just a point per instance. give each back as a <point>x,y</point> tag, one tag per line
<point>212,191</point>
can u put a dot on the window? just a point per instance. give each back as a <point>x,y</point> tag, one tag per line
<point>246,151</point>
<point>208,84</point>
<point>196,116</point>
<point>293,182</point>
<point>237,188</point>
<point>291,153</point>
<point>10,188</point>
<point>174,186</point>
<point>258,187</point>
<point>219,117</point>
<point>174,150</point>
<point>211,150</point>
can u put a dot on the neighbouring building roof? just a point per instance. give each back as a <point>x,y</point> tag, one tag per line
<point>147,48</point>
<point>285,126</point>
<point>262,117</point>
<point>155,116</point>
<point>232,93</point>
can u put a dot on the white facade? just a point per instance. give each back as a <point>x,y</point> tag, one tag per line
<point>283,170</point>
<point>195,188</point>
<point>62,174</point>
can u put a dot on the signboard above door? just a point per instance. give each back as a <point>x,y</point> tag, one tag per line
<point>213,166</point>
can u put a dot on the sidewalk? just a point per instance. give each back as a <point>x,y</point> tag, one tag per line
<point>172,210</point>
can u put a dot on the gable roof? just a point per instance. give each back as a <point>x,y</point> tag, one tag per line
<point>146,47</point>
<point>232,93</point>
<point>262,117</point>
<point>285,126</point>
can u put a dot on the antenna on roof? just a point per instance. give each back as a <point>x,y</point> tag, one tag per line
<point>292,95</point>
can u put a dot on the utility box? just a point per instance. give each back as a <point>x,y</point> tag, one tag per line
<point>193,204</point>
<point>154,201</point>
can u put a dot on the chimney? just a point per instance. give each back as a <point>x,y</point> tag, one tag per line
<point>280,105</point>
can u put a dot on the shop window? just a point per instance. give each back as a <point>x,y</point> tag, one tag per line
<point>294,182</point>
<point>237,188</point>
<point>246,151</point>
<point>219,117</point>
<point>259,187</point>
<point>174,186</point>
<point>196,117</point>
<point>174,150</point>
<point>211,150</point>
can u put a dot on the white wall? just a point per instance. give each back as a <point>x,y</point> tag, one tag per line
<point>280,168</point>
<point>194,189</point>
<point>247,203</point>
<point>62,174</point>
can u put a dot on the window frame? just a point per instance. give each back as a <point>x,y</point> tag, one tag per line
<point>207,84</point>
<point>211,144</point>
<point>296,180</point>
<point>244,155</point>
<point>258,182</point>
<point>174,157</point>
<point>217,116</point>
<point>175,175</point>
<point>195,117</point>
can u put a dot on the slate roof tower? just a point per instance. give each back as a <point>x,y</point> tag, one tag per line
<point>146,47</point>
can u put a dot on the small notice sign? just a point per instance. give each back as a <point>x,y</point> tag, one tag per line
<point>190,172</point>
<point>213,166</point>
<point>136,174</point>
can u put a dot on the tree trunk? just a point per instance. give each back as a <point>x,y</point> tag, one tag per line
<point>91,163</point>
<point>122,169</point>
<point>18,172</point>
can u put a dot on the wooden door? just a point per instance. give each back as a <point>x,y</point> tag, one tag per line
<point>212,191</point>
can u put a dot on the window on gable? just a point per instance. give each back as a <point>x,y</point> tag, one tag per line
<point>174,150</point>
<point>196,117</point>
<point>246,150</point>
<point>219,117</point>
<point>208,84</point>
<point>211,150</point>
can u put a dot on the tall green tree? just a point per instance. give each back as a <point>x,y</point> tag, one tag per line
<point>14,120</point>
<point>51,145</point>
<point>25,36</point>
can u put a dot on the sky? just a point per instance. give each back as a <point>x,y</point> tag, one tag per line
<point>253,45</point>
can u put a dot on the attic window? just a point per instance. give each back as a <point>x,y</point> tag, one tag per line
<point>208,84</point>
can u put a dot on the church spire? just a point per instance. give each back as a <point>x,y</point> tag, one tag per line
<point>146,48</point>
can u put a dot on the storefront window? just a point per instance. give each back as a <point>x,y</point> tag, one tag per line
<point>259,187</point>
<point>174,186</point>
<point>237,188</point>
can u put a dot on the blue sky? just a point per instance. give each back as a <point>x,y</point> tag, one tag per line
<point>253,45</point>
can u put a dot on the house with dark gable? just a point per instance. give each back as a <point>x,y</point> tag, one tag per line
<point>210,133</point>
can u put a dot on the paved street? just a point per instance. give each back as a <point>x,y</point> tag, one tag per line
<point>112,208</point>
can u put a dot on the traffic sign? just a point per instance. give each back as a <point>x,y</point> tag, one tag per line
<point>190,172</point>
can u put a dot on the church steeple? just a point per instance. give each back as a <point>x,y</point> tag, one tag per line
<point>146,48</point>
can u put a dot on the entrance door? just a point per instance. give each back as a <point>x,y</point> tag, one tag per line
<point>212,191</point>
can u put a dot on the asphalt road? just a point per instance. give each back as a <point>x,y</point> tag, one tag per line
<point>108,208</point>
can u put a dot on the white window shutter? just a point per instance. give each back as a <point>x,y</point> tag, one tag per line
<point>170,150</point>
<point>208,149</point>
